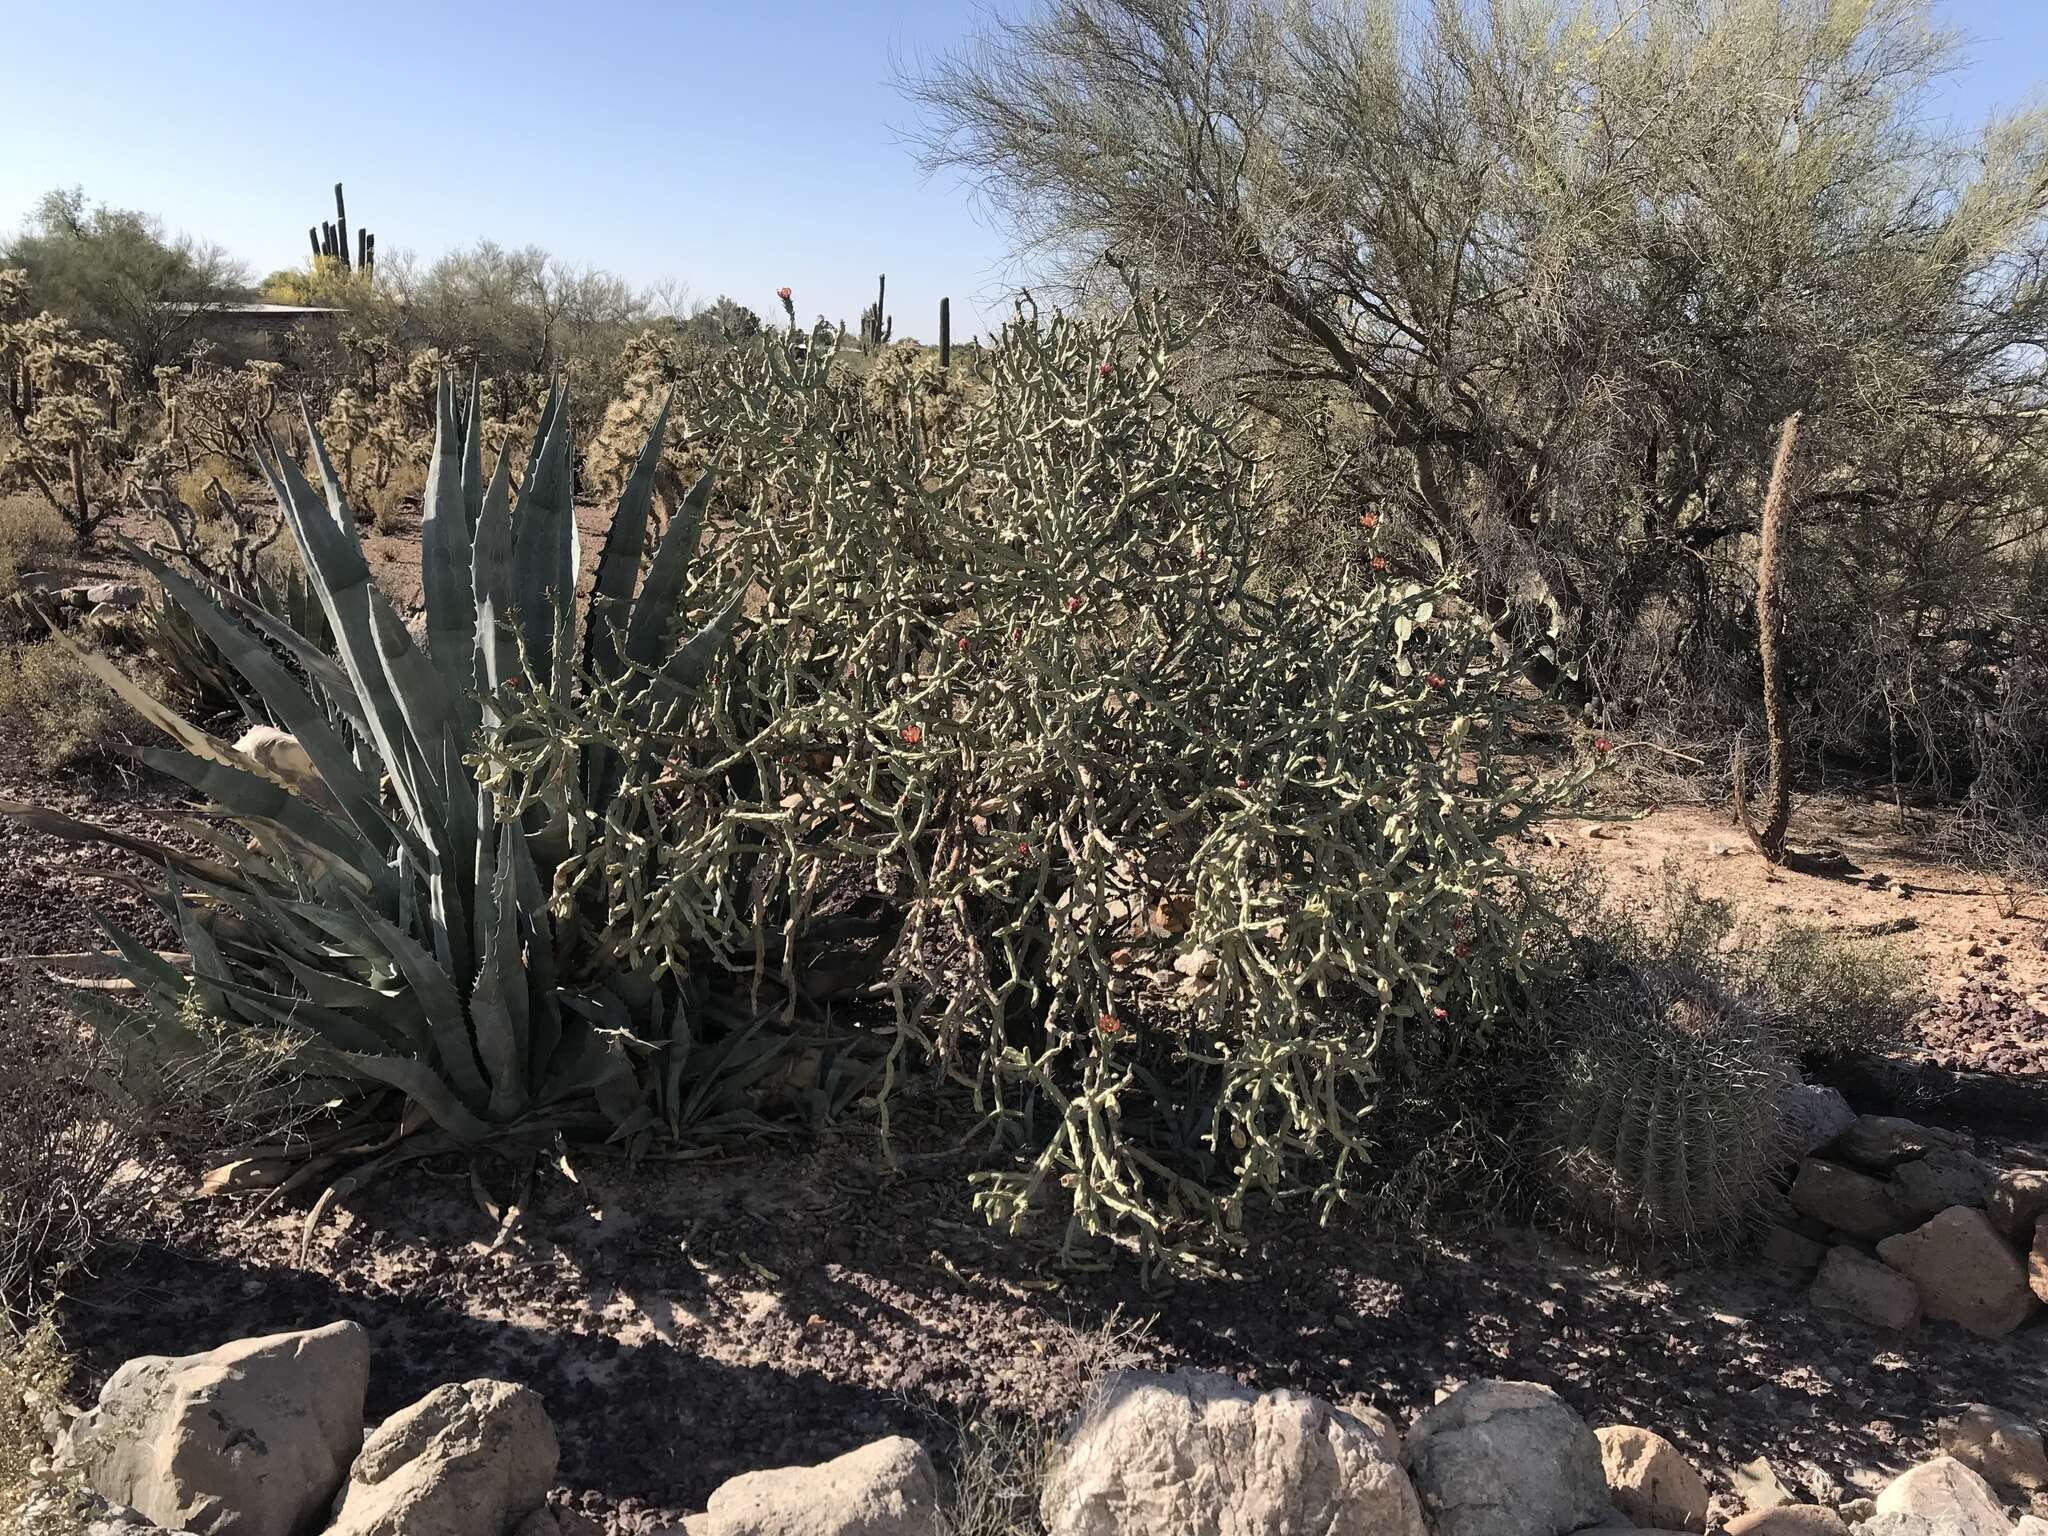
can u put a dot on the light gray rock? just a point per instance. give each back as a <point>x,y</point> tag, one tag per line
<point>885,1489</point>
<point>55,1510</point>
<point>115,594</point>
<point>474,1458</point>
<point>1945,1493</point>
<point>2037,1259</point>
<point>1857,1286</point>
<point>1963,1271</point>
<point>1810,1116</point>
<point>1789,1520</point>
<point>1506,1458</point>
<point>1879,1143</point>
<point>1846,1200</point>
<point>1929,1185</point>
<point>250,1439</point>
<point>1650,1481</point>
<point>1195,1454</point>
<point>2000,1447</point>
<point>2030,1525</point>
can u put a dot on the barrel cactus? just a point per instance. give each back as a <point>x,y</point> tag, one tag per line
<point>1663,1123</point>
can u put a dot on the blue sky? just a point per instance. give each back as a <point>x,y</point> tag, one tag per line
<point>733,148</point>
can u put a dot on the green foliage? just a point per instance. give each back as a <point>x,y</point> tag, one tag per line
<point>115,276</point>
<point>381,908</point>
<point>1177,873</point>
<point>1662,1123</point>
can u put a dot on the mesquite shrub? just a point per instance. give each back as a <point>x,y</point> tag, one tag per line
<point>1174,868</point>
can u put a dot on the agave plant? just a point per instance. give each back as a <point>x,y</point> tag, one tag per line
<point>385,908</point>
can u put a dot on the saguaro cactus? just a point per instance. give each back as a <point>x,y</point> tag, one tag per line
<point>945,334</point>
<point>875,324</point>
<point>1770,620</point>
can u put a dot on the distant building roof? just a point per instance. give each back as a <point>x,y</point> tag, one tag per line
<point>277,310</point>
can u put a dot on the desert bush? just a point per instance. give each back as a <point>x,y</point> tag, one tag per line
<point>1180,875</point>
<point>35,1380</point>
<point>1662,1123</point>
<point>1817,994</point>
<point>60,1190</point>
<point>53,711</point>
<point>1535,287</point>
<point>32,536</point>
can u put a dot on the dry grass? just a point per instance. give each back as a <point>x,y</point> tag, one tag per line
<point>32,537</point>
<point>53,710</point>
<point>34,1375</point>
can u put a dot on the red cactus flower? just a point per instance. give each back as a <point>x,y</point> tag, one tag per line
<point>1436,680</point>
<point>1024,850</point>
<point>1368,520</point>
<point>1603,746</point>
<point>1109,1023</point>
<point>1106,369</point>
<point>912,735</point>
<point>961,645</point>
<point>1442,1013</point>
<point>782,294</point>
<point>1379,562</point>
<point>1462,950</point>
<point>1073,605</point>
<point>1243,782</point>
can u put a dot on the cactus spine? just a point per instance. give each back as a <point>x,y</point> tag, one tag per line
<point>1770,839</point>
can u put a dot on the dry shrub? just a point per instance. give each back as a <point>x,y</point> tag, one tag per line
<point>53,710</point>
<point>34,1376</point>
<point>31,538</point>
<point>60,1190</point>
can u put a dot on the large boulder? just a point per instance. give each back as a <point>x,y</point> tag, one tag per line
<point>2037,1260</point>
<point>1789,1520</point>
<point>2018,1199</point>
<point>1999,1447</point>
<point>1929,1185</point>
<point>1879,1143</point>
<point>1810,1116</point>
<point>1847,1201</point>
<point>1858,1286</point>
<point>250,1439</point>
<point>1948,1495</point>
<point>1963,1271</point>
<point>1195,1454</point>
<point>474,1458</point>
<point>1650,1481</point>
<point>1506,1458</point>
<point>885,1489</point>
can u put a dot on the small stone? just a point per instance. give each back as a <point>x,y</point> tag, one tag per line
<point>1963,1271</point>
<point>1866,1290</point>
<point>1946,1494</point>
<point>2018,1199</point>
<point>1788,1520</point>
<point>1846,1200</point>
<point>1201,964</point>
<point>1650,1480</point>
<point>1856,1511</point>
<point>117,594</point>
<point>1758,1485</point>
<point>1929,1185</point>
<point>1999,1447</point>
<point>1879,1143</point>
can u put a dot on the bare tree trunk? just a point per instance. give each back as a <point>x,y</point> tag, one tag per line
<point>1770,840</point>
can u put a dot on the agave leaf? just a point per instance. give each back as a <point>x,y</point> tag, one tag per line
<point>57,824</point>
<point>326,673</point>
<point>253,795</point>
<point>341,577</point>
<point>435,990</point>
<point>654,612</point>
<point>499,1006</point>
<point>287,700</point>
<point>491,579</point>
<point>335,499</point>
<point>544,547</point>
<point>419,1083</point>
<point>142,965</point>
<point>618,568</point>
<point>445,558</point>
<point>473,454</point>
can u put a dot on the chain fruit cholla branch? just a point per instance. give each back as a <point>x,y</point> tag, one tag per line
<point>1770,838</point>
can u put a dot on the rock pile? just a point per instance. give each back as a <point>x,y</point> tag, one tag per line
<point>1895,1222</point>
<point>264,1437</point>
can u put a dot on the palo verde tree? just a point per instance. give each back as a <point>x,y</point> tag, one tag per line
<point>1540,279</point>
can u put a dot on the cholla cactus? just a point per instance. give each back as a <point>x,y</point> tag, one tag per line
<point>66,398</point>
<point>1181,869</point>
